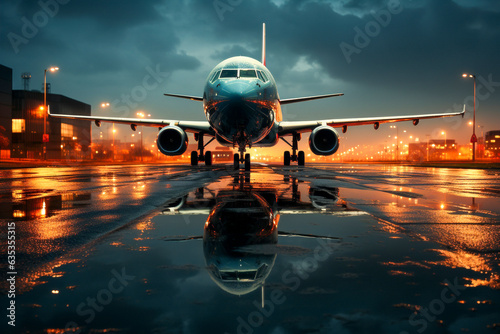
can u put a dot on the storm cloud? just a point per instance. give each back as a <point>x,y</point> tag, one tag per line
<point>388,56</point>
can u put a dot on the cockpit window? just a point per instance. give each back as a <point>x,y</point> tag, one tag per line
<point>215,76</point>
<point>259,74</point>
<point>248,74</point>
<point>238,275</point>
<point>239,73</point>
<point>229,74</point>
<point>263,77</point>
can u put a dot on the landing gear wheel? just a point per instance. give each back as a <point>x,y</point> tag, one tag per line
<point>208,158</point>
<point>247,162</point>
<point>236,161</point>
<point>286,158</point>
<point>194,158</point>
<point>301,158</point>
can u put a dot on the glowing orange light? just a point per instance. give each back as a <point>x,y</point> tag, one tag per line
<point>43,212</point>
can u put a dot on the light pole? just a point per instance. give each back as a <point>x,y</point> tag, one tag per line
<point>142,115</point>
<point>397,140</point>
<point>445,145</point>
<point>482,136</point>
<point>113,141</point>
<point>473,139</point>
<point>427,149</point>
<point>103,106</point>
<point>45,138</point>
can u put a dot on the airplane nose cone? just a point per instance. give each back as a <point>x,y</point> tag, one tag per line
<point>238,90</point>
<point>238,110</point>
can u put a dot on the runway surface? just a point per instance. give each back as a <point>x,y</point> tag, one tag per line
<point>315,249</point>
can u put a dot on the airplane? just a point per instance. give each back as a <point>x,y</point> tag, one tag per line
<point>243,110</point>
<point>241,232</point>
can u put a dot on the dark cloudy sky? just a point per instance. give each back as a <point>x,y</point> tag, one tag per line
<point>411,63</point>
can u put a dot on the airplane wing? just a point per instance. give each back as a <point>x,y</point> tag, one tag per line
<point>306,126</point>
<point>189,97</point>
<point>308,98</point>
<point>189,126</point>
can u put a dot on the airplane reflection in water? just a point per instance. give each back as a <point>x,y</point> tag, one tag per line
<point>241,232</point>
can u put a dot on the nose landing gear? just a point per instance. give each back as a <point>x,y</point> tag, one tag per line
<point>242,141</point>
<point>236,161</point>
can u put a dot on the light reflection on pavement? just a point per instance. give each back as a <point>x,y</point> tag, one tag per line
<point>330,248</point>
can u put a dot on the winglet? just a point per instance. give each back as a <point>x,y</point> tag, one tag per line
<point>463,112</point>
<point>48,110</point>
<point>264,44</point>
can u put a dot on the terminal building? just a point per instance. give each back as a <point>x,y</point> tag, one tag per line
<point>68,139</point>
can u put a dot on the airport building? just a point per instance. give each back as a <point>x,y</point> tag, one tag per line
<point>5,111</point>
<point>66,140</point>
<point>222,154</point>
<point>22,116</point>
<point>492,144</point>
<point>435,149</point>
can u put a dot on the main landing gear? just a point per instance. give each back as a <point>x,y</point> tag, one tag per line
<point>300,157</point>
<point>202,156</point>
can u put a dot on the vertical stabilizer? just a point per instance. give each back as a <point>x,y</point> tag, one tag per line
<point>264,44</point>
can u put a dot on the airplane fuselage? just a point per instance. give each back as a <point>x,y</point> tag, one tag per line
<point>241,103</point>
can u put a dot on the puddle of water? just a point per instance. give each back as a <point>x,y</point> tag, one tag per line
<point>258,252</point>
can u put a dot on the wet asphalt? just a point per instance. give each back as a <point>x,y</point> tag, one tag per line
<point>315,249</point>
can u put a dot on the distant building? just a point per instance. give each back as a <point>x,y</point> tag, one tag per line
<point>417,151</point>
<point>222,154</point>
<point>68,139</point>
<point>435,149</point>
<point>441,149</point>
<point>492,144</point>
<point>5,111</point>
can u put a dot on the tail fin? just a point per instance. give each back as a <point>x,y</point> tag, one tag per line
<point>264,44</point>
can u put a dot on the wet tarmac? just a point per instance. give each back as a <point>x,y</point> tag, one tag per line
<point>316,249</point>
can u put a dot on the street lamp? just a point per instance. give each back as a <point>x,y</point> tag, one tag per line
<point>473,139</point>
<point>44,138</point>
<point>114,131</point>
<point>106,105</point>
<point>397,140</point>
<point>142,115</point>
<point>445,145</point>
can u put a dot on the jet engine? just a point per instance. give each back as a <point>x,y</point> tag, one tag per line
<point>324,140</point>
<point>172,140</point>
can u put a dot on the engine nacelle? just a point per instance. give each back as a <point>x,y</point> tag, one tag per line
<point>172,140</point>
<point>324,140</point>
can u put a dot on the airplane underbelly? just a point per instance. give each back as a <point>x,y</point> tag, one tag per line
<point>247,119</point>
